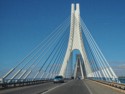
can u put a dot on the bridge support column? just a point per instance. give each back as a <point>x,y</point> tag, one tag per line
<point>79,68</point>
<point>75,41</point>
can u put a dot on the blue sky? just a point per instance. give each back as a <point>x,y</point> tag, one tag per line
<point>25,23</point>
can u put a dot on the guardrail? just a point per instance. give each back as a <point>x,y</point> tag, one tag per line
<point>22,82</point>
<point>113,84</point>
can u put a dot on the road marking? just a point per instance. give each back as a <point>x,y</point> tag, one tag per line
<point>52,89</point>
<point>87,87</point>
<point>55,87</point>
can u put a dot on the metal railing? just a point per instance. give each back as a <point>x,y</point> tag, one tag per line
<point>22,82</point>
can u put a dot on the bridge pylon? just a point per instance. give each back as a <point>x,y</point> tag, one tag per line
<point>75,41</point>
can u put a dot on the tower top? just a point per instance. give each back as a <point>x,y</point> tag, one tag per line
<point>75,7</point>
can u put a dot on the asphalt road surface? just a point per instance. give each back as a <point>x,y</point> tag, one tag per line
<point>69,87</point>
<point>82,87</point>
<point>72,87</point>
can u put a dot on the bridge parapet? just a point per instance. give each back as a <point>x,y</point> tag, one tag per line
<point>21,82</point>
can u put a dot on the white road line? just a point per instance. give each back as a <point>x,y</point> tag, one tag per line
<point>88,88</point>
<point>53,88</point>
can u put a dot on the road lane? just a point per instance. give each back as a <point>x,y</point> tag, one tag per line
<point>72,87</point>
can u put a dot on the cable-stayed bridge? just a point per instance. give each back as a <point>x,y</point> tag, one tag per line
<point>69,51</point>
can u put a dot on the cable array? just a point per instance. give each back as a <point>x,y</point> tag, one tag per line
<point>45,60</point>
<point>100,67</point>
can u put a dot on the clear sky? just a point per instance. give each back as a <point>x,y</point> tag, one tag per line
<point>25,23</point>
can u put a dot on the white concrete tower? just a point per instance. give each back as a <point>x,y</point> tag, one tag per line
<point>75,41</point>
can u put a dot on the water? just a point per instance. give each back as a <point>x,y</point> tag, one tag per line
<point>122,80</point>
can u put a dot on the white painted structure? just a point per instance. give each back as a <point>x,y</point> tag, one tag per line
<point>75,41</point>
<point>78,62</point>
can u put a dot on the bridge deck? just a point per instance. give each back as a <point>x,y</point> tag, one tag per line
<point>70,87</point>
